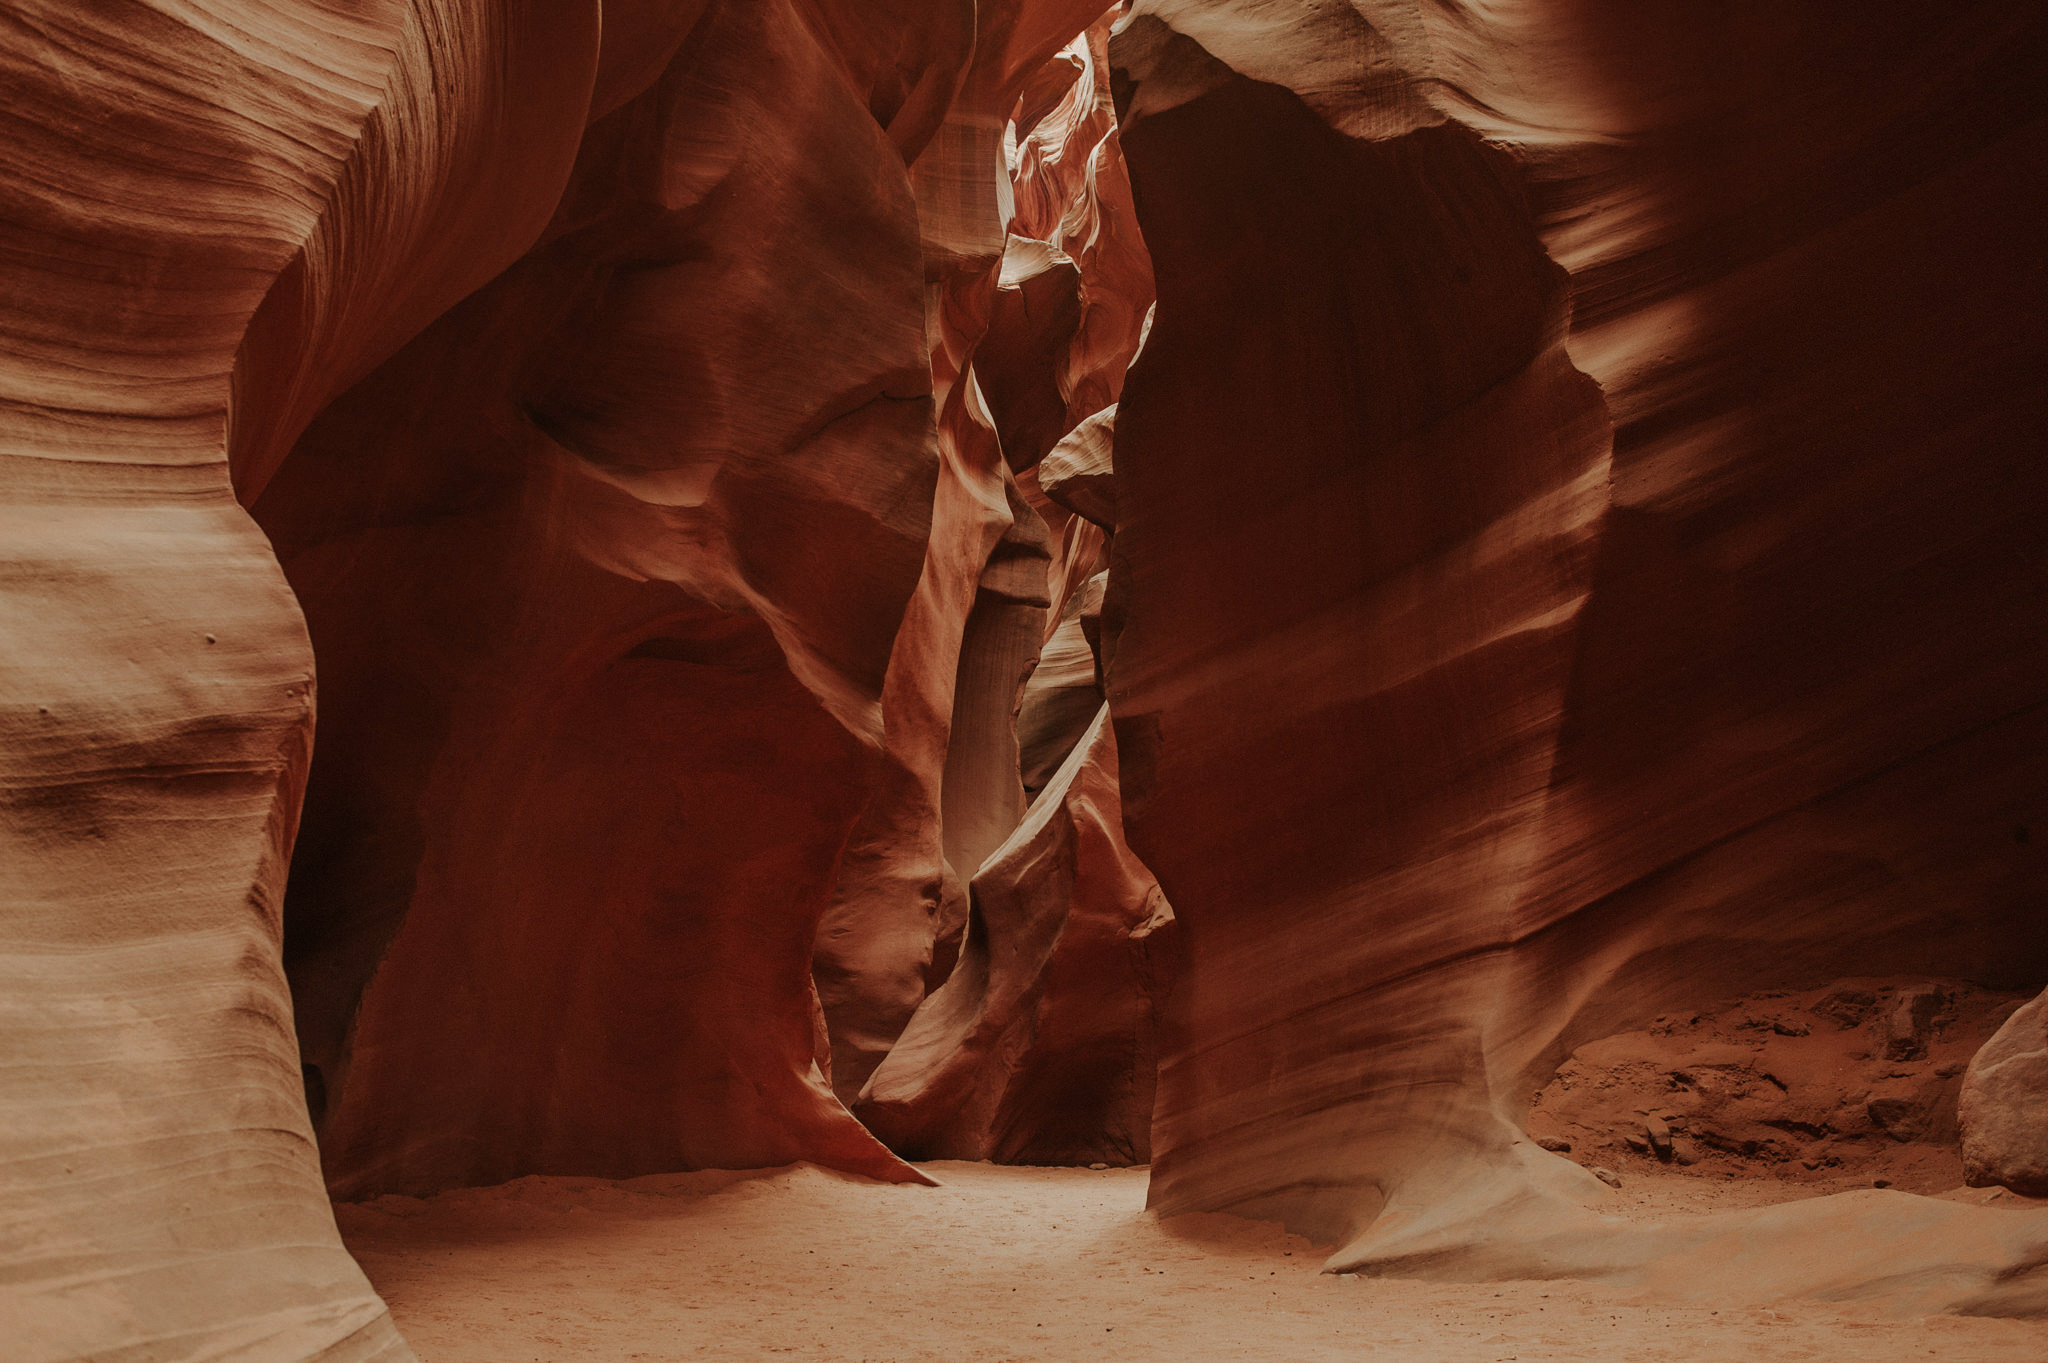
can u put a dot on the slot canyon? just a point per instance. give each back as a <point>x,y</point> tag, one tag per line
<point>892,680</point>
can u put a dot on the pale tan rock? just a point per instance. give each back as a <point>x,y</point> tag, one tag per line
<point>1080,474</point>
<point>2003,1111</point>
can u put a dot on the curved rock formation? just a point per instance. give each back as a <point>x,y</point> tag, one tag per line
<point>1573,551</point>
<point>1039,1048</point>
<point>1079,473</point>
<point>274,202</point>
<point>951,790</point>
<point>1073,196</point>
<point>1574,491</point>
<point>175,179</point>
<point>603,571</point>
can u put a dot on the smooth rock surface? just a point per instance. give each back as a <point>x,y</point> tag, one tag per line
<point>604,571</point>
<point>1080,472</point>
<point>1573,493</point>
<point>214,217</point>
<point>1012,320</point>
<point>1572,551</point>
<point>1039,1048</point>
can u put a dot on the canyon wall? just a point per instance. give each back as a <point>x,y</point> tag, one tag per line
<point>1569,547</point>
<point>173,179</point>
<point>1039,1048</point>
<point>602,571</point>
<point>1579,554</point>
<point>1037,285</point>
<point>1031,1040</point>
<point>602,379</point>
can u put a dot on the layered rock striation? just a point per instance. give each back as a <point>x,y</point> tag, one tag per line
<point>175,180</point>
<point>1575,559</point>
<point>576,360</point>
<point>1036,288</point>
<point>604,570</point>
<point>1567,550</point>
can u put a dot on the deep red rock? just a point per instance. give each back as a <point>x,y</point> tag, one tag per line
<point>1562,704</point>
<point>602,715</point>
<point>1572,551</point>
<point>1038,1049</point>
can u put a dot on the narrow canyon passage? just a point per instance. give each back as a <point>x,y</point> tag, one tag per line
<point>1023,680</point>
<point>1019,1265</point>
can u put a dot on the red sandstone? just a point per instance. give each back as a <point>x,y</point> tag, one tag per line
<point>1376,606</point>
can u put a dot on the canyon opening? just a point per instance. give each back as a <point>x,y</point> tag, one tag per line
<point>982,680</point>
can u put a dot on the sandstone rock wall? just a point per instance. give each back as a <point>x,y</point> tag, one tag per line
<point>1018,329</point>
<point>603,571</point>
<point>1571,549</point>
<point>1577,555</point>
<point>1039,1048</point>
<point>174,178</point>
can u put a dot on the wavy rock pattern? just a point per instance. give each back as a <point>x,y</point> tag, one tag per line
<point>1038,1048</point>
<point>1571,548</point>
<point>280,197</point>
<point>951,790</point>
<point>603,715</point>
<point>1573,491</point>
<point>157,694</point>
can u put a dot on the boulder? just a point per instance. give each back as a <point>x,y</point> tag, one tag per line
<point>2003,1111</point>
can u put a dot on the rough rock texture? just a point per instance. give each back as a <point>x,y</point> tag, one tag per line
<point>1856,1078</point>
<point>1577,491</point>
<point>2004,1105</point>
<point>1039,1048</point>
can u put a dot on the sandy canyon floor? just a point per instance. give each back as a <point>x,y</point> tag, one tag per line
<point>1021,1264</point>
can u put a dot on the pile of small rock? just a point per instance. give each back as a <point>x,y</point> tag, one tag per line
<point>1859,1079</point>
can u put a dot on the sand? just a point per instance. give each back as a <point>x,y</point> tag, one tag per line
<point>1019,1264</point>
